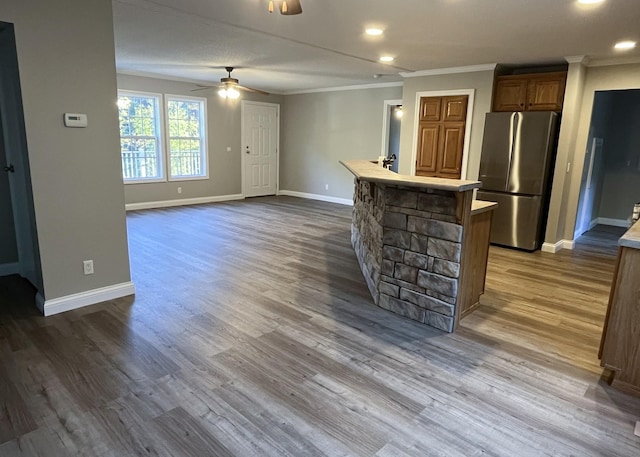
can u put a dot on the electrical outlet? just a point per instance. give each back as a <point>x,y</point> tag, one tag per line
<point>179,190</point>
<point>87,266</point>
<point>326,187</point>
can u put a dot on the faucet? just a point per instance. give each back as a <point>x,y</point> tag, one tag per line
<point>386,162</point>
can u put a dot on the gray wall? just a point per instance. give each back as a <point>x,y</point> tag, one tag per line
<point>621,171</point>
<point>67,64</point>
<point>320,129</point>
<point>8,246</point>
<point>481,82</point>
<point>223,121</point>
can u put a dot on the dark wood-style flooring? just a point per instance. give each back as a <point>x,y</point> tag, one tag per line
<point>253,334</point>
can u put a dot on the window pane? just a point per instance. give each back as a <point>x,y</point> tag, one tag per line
<point>186,158</point>
<point>185,119</point>
<point>141,157</point>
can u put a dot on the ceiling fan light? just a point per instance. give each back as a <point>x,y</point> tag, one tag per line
<point>223,93</point>
<point>285,8</point>
<point>271,6</point>
<point>233,93</point>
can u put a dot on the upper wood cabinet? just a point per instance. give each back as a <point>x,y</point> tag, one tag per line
<point>534,92</point>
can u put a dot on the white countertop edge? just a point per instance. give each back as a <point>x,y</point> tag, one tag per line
<point>368,171</point>
<point>480,206</point>
<point>631,239</point>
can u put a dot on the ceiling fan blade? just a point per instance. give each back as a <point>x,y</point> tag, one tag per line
<point>293,7</point>
<point>251,89</point>
<point>201,87</point>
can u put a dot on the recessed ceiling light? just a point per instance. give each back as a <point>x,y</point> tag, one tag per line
<point>386,59</point>
<point>622,45</point>
<point>374,32</point>
<point>590,2</point>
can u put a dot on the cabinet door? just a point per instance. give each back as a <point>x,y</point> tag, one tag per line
<point>511,94</point>
<point>430,109</point>
<point>454,108</point>
<point>546,93</point>
<point>451,147</point>
<point>428,143</point>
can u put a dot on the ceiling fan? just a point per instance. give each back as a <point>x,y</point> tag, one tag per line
<point>286,7</point>
<point>230,87</point>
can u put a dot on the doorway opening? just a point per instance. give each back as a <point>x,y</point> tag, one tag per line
<point>610,184</point>
<point>391,124</point>
<point>19,250</point>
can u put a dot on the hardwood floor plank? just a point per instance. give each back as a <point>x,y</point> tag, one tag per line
<point>185,436</point>
<point>253,333</point>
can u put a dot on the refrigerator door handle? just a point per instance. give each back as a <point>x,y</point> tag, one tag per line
<point>511,139</point>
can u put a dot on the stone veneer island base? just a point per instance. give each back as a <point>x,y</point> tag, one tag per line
<point>421,248</point>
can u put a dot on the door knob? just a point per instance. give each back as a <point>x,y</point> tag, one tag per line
<point>10,169</point>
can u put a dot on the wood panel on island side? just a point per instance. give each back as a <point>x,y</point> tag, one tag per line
<point>253,333</point>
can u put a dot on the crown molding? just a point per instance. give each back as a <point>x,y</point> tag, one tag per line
<point>578,59</point>
<point>342,88</point>
<point>614,61</point>
<point>450,71</point>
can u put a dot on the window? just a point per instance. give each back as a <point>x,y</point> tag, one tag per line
<point>186,137</point>
<point>140,143</point>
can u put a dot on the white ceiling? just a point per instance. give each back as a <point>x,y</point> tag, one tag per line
<point>326,46</point>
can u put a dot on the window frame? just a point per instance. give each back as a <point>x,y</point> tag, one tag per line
<point>160,125</point>
<point>203,137</point>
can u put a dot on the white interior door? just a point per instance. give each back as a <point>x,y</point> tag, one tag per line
<point>260,130</point>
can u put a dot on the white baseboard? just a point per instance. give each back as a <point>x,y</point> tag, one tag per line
<point>182,202</point>
<point>551,247</point>
<point>555,247</point>
<point>324,198</point>
<point>79,300</point>
<point>7,269</point>
<point>614,222</point>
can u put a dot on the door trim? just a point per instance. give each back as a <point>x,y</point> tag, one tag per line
<point>244,103</point>
<point>467,129</point>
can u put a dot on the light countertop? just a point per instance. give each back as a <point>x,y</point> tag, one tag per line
<point>480,206</point>
<point>631,239</point>
<point>368,171</point>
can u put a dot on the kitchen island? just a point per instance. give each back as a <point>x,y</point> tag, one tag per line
<point>620,344</point>
<point>422,243</point>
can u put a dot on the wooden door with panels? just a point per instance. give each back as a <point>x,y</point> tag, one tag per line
<point>441,129</point>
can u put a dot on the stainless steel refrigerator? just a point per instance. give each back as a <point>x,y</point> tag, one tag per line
<point>518,151</point>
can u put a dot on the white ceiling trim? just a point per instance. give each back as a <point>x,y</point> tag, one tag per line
<point>616,61</point>
<point>341,88</point>
<point>577,59</point>
<point>450,71</point>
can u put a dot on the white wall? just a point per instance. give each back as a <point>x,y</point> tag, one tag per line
<point>67,64</point>
<point>223,129</point>
<point>320,129</point>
